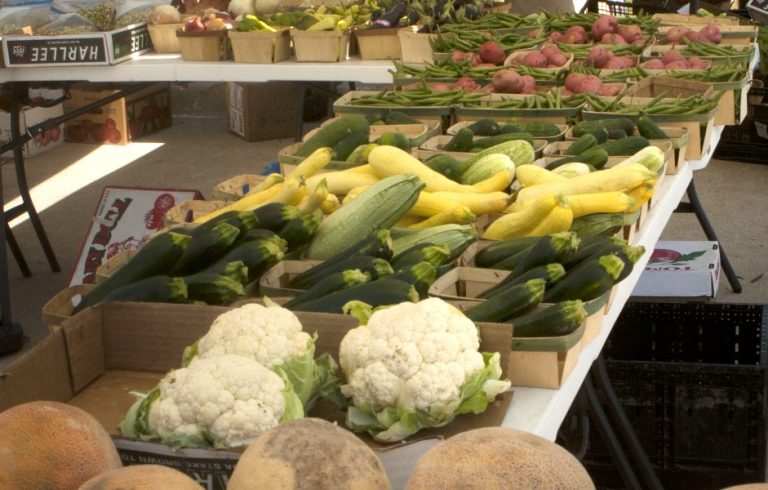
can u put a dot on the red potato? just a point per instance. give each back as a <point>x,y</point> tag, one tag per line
<point>580,33</point>
<point>441,87</point>
<point>639,42</point>
<point>678,65</point>
<point>675,35</point>
<point>507,81</point>
<point>608,90</point>
<point>571,38</point>
<point>488,89</point>
<point>529,83</point>
<point>476,60</point>
<point>712,32</point>
<point>697,37</point>
<point>467,84</point>
<point>605,24</point>
<point>461,56</point>
<point>573,80</point>
<point>672,55</point>
<point>491,52</point>
<point>534,34</point>
<point>589,84</point>
<point>549,50</point>
<point>621,63</point>
<point>566,92</point>
<point>631,33</point>
<point>654,64</point>
<point>614,39</point>
<point>557,60</point>
<point>535,59</point>
<point>598,57</point>
<point>556,37</point>
<point>486,65</point>
<point>697,63</point>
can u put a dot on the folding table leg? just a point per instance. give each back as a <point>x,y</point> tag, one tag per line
<point>21,176</point>
<point>16,251</point>
<point>709,231</point>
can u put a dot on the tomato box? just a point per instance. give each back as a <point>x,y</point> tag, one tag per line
<point>689,269</point>
<point>124,219</point>
<point>120,121</point>
<point>30,116</point>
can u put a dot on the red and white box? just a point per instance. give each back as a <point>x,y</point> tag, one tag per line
<point>124,220</point>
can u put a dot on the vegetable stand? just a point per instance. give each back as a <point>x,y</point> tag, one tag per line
<point>540,411</point>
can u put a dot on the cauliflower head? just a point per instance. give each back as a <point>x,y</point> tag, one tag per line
<point>416,365</point>
<point>272,336</point>
<point>225,401</point>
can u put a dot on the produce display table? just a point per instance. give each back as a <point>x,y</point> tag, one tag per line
<point>540,411</point>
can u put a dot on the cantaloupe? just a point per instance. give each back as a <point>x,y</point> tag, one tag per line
<point>141,477</point>
<point>498,458</point>
<point>308,453</point>
<point>52,445</point>
<point>749,486</point>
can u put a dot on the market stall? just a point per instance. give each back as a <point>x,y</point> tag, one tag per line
<point>538,401</point>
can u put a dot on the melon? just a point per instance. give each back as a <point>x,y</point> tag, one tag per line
<point>749,486</point>
<point>47,444</point>
<point>141,477</point>
<point>498,458</point>
<point>308,453</point>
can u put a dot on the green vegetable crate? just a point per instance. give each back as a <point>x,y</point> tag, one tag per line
<point>434,146</point>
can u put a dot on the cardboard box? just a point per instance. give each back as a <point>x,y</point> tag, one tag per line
<point>98,48</point>
<point>265,111</point>
<point>120,121</point>
<point>103,353</point>
<point>124,219</point>
<point>28,117</point>
<point>686,269</point>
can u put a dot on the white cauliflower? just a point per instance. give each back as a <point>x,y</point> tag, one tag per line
<point>417,359</point>
<point>273,337</point>
<point>225,401</point>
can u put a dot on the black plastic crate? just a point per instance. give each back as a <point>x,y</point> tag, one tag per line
<point>691,332</point>
<point>743,143</point>
<point>618,8</point>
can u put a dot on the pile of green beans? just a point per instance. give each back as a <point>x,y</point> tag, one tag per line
<point>716,73</point>
<point>581,51</point>
<point>634,73</point>
<point>470,41</point>
<point>419,97</point>
<point>692,104</point>
<point>564,21</point>
<point>500,20</point>
<point>694,48</point>
<point>552,99</point>
<point>453,69</point>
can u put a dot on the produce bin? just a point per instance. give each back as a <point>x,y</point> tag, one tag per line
<point>62,304</point>
<point>164,39</point>
<point>417,133</point>
<point>203,45</point>
<point>732,34</point>
<point>378,44</point>
<point>236,187</point>
<point>515,58</point>
<point>434,146</point>
<point>746,52</point>
<point>322,46</point>
<point>260,46</point>
<point>343,105</point>
<point>562,115</point>
<point>544,362</point>
<point>415,46</point>
<point>557,137</point>
<point>695,21</point>
<point>188,211</point>
<point>274,282</point>
<point>288,160</point>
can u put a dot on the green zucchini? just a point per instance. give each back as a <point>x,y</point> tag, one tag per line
<point>605,224</point>
<point>461,141</point>
<point>588,280</point>
<point>330,284</point>
<point>457,237</point>
<point>647,127</point>
<point>538,129</point>
<point>206,247</point>
<point>447,165</point>
<point>510,262</point>
<point>502,249</point>
<point>421,275</point>
<point>584,143</point>
<point>395,139</point>
<point>587,127</point>
<point>617,134</point>
<point>436,255</point>
<point>376,267</point>
<point>616,123</point>
<point>262,234</point>
<point>550,273</point>
<point>213,289</point>
<point>629,256</point>
<point>343,148</point>
<point>156,257</point>
<point>375,293</point>
<point>489,141</point>
<point>595,246</point>
<point>257,255</point>
<point>555,320</point>
<point>596,157</point>
<point>274,216</point>
<point>512,301</point>
<point>624,147</point>
<point>242,220</point>
<point>548,249</point>
<point>299,231</point>
<point>158,289</point>
<point>398,117</point>
<point>333,132</point>
<point>484,127</point>
<point>235,270</point>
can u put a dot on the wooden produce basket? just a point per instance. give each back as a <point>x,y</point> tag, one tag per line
<point>203,46</point>
<point>417,133</point>
<point>516,57</point>
<point>746,52</point>
<point>164,38</point>
<point>733,106</point>
<point>344,105</point>
<point>415,47</point>
<point>260,46</point>
<point>434,146</point>
<point>467,258</point>
<point>557,137</point>
<point>288,160</point>
<point>559,149</point>
<point>61,306</point>
<point>188,211</point>
<point>462,285</point>
<point>321,46</point>
<point>275,281</point>
<point>732,34</point>
<point>236,187</point>
<point>485,111</point>
<point>693,21</point>
<point>378,44</point>
<point>112,264</point>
